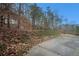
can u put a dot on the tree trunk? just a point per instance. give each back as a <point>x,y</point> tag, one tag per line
<point>33,22</point>
<point>2,21</point>
<point>8,21</point>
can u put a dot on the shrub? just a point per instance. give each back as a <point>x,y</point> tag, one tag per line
<point>3,48</point>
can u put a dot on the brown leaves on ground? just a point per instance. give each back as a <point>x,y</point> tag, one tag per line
<point>14,42</point>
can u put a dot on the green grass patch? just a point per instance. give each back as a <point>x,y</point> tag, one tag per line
<point>48,32</point>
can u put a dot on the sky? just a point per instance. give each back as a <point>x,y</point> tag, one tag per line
<point>68,11</point>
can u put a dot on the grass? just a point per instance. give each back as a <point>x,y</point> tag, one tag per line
<point>49,32</point>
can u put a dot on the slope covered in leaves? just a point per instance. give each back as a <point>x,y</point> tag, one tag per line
<point>12,41</point>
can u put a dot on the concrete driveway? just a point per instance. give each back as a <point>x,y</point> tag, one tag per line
<point>65,45</point>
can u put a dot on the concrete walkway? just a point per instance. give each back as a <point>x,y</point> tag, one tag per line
<point>65,45</point>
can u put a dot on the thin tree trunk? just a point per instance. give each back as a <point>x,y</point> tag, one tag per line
<point>33,23</point>
<point>19,15</point>
<point>8,21</point>
<point>2,21</point>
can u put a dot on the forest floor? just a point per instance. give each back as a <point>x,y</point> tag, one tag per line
<point>17,43</point>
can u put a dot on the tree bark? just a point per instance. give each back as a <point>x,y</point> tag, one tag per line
<point>8,21</point>
<point>2,21</point>
<point>33,23</point>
